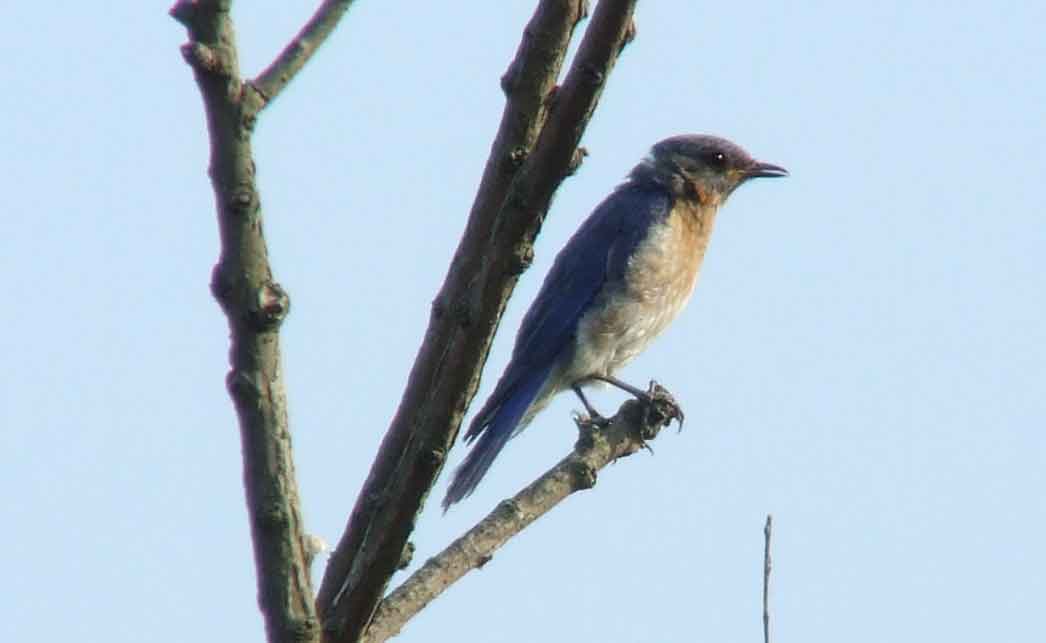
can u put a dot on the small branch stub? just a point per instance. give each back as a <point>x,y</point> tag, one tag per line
<point>269,307</point>
<point>242,387</point>
<point>630,35</point>
<point>184,12</point>
<point>407,556</point>
<point>241,201</point>
<point>203,58</point>
<point>576,160</point>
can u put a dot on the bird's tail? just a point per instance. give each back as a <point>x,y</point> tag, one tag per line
<point>494,425</point>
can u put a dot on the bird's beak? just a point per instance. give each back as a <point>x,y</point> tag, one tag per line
<point>760,169</point>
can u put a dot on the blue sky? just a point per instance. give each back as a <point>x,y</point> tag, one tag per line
<point>864,356</point>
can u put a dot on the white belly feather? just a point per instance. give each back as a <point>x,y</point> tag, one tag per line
<point>658,283</point>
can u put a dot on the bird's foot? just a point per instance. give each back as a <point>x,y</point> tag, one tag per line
<point>592,421</point>
<point>660,407</point>
<point>646,445</point>
<point>588,426</point>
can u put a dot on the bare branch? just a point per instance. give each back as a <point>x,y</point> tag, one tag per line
<point>255,306</point>
<point>610,30</point>
<point>277,75</point>
<point>767,532</point>
<point>634,424</point>
<point>496,247</point>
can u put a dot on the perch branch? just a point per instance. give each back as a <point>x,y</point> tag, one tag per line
<point>628,432</point>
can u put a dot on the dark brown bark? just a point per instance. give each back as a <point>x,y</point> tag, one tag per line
<point>255,306</point>
<point>535,149</point>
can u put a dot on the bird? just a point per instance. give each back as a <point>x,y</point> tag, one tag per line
<point>623,276</point>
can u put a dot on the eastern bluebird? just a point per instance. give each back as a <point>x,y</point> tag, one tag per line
<point>624,275</point>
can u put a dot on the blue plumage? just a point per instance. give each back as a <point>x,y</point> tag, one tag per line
<point>595,256</point>
<point>617,283</point>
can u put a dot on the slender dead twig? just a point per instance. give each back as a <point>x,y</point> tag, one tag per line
<point>635,423</point>
<point>277,75</point>
<point>767,532</point>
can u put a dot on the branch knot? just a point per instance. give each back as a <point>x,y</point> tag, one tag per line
<point>207,59</point>
<point>517,157</point>
<point>576,159</point>
<point>268,307</point>
<point>241,386</point>
<point>241,201</point>
<point>584,476</point>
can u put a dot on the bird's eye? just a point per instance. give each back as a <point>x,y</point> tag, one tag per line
<point>716,160</point>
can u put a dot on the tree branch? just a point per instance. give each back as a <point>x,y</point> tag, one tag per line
<point>255,306</point>
<point>277,75</point>
<point>529,159</point>
<point>635,423</point>
<point>767,567</point>
<point>557,147</point>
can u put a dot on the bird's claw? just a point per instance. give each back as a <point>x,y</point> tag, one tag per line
<point>590,422</point>
<point>661,407</point>
<point>587,428</point>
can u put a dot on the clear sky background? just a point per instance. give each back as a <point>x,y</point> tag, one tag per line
<point>864,358</point>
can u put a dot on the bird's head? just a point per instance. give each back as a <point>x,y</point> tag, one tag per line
<point>702,168</point>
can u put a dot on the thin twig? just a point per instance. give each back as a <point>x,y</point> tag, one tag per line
<point>290,61</point>
<point>767,532</point>
<point>596,448</point>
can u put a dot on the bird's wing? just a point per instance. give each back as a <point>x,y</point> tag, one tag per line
<point>596,255</point>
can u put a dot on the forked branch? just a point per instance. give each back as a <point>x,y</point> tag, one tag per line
<point>255,306</point>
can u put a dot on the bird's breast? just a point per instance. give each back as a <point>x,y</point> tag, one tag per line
<point>657,283</point>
